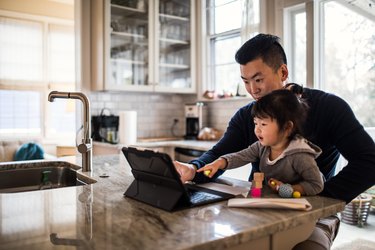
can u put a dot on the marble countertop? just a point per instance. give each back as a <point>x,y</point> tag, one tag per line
<point>98,216</point>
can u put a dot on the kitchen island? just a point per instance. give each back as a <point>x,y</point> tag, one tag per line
<point>98,216</point>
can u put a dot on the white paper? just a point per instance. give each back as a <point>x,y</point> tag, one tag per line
<point>283,203</point>
<point>225,188</point>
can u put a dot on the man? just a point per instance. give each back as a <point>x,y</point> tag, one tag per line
<point>330,124</point>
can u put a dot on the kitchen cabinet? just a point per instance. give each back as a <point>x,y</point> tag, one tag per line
<point>64,150</point>
<point>147,46</point>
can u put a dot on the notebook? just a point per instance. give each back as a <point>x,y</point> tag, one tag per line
<point>157,183</point>
<point>278,203</point>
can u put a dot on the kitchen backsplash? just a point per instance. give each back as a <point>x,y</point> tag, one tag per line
<point>220,112</point>
<point>156,112</point>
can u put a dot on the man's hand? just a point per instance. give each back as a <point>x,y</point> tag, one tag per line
<point>186,171</point>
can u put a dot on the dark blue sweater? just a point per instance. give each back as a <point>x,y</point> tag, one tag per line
<point>332,126</point>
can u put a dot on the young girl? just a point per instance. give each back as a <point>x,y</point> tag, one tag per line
<point>284,155</point>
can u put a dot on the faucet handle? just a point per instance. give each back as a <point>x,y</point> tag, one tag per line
<point>84,147</point>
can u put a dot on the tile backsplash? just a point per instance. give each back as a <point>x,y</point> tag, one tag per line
<point>220,112</point>
<point>156,112</point>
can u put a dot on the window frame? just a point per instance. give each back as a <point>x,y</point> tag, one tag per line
<point>206,75</point>
<point>209,44</point>
<point>290,37</point>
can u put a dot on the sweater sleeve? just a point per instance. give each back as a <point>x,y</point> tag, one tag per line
<point>337,128</point>
<point>245,156</point>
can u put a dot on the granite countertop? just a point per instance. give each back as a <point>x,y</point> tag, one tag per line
<point>98,216</point>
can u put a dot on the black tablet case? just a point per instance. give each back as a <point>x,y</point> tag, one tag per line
<point>157,182</point>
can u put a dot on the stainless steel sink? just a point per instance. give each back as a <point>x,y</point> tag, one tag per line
<point>40,175</point>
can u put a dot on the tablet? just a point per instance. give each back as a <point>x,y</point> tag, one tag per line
<point>157,183</point>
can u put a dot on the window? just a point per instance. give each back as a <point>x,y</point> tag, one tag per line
<point>348,56</point>
<point>225,34</point>
<point>295,44</point>
<point>36,56</point>
<point>344,52</point>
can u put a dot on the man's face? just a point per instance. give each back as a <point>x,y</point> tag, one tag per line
<point>260,79</point>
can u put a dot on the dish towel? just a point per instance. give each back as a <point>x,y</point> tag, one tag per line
<point>296,204</point>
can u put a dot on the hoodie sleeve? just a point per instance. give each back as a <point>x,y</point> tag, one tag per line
<point>245,156</point>
<point>311,178</point>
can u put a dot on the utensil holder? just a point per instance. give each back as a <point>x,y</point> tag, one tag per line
<point>357,211</point>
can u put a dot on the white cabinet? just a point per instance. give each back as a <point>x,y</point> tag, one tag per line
<point>175,50</point>
<point>148,45</point>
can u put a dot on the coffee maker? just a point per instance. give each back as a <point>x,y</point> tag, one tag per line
<point>194,119</point>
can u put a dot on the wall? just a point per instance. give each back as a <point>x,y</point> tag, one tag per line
<point>156,112</point>
<point>60,9</point>
<point>220,112</point>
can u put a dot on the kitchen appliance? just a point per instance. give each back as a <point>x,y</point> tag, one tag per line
<point>187,154</point>
<point>194,119</point>
<point>105,127</point>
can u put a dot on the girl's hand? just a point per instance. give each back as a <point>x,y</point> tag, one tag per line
<point>210,170</point>
<point>274,184</point>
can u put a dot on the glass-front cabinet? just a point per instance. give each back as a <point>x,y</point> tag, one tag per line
<point>174,45</point>
<point>149,45</point>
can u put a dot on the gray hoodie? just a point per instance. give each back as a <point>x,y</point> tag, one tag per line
<point>296,165</point>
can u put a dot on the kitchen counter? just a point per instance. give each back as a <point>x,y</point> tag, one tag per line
<point>192,144</point>
<point>98,216</point>
<point>166,146</point>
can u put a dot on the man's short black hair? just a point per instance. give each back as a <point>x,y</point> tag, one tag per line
<point>264,46</point>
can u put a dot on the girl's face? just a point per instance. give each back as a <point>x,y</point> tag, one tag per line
<point>268,132</point>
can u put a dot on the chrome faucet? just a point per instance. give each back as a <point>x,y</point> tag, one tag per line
<point>85,148</point>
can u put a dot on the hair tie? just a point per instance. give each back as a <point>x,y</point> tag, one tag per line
<point>295,88</point>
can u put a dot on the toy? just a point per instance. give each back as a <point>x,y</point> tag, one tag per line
<point>256,192</point>
<point>285,191</point>
<point>296,194</point>
<point>257,185</point>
